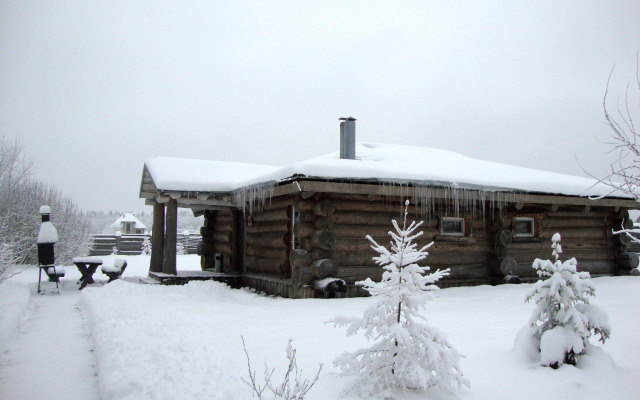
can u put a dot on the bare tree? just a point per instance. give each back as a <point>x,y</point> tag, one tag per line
<point>624,171</point>
<point>20,198</point>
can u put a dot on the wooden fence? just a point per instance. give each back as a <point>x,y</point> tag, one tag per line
<point>105,244</point>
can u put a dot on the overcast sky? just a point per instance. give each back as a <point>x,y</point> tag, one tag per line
<point>93,88</point>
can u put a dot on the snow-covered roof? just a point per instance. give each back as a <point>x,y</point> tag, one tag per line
<point>128,217</point>
<point>204,175</point>
<point>374,161</point>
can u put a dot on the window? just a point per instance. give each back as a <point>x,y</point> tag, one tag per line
<point>452,226</point>
<point>523,227</point>
<point>295,241</point>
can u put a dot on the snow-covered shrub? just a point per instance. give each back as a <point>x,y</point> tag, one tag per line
<point>146,246</point>
<point>7,261</point>
<point>114,251</point>
<point>406,353</point>
<point>564,320</point>
<point>293,385</point>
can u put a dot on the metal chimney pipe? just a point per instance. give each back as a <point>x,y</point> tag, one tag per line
<point>348,138</point>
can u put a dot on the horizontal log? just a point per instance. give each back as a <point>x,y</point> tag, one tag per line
<point>281,202</point>
<point>273,240</point>
<point>574,234</point>
<point>467,271</point>
<point>356,232</point>
<point>222,236</point>
<point>266,252</point>
<point>581,214</point>
<point>627,261</point>
<point>303,229</point>
<point>561,223</point>
<point>221,217</point>
<point>355,246</point>
<point>360,273</point>
<point>265,266</point>
<point>324,268</point>
<point>300,258</point>
<point>279,214</point>
<point>586,254</point>
<point>307,216</point>
<point>222,247</point>
<point>449,247</point>
<point>323,240</point>
<point>321,223</point>
<point>324,208</point>
<point>367,206</point>
<point>596,267</point>
<point>268,226</point>
<point>370,218</point>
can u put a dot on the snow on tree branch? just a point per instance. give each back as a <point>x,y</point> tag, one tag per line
<point>563,320</point>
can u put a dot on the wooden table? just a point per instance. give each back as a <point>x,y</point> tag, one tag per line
<point>87,267</point>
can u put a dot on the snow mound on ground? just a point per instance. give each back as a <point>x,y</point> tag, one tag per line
<point>151,353</point>
<point>556,342</point>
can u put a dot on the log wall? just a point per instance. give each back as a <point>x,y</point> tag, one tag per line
<point>301,238</point>
<point>268,239</point>
<point>357,216</point>
<point>217,238</point>
<point>586,235</point>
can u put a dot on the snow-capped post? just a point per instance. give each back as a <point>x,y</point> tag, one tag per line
<point>47,238</point>
<point>407,354</point>
<point>563,319</point>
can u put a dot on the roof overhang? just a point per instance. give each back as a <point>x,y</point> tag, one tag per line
<point>200,201</point>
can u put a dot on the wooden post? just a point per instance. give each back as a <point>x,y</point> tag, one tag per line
<point>170,238</point>
<point>157,239</point>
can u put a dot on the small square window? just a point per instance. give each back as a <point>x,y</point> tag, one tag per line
<point>523,227</point>
<point>453,226</point>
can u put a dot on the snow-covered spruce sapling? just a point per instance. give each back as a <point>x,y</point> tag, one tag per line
<point>180,249</point>
<point>293,386</point>
<point>146,246</point>
<point>564,320</point>
<point>406,353</point>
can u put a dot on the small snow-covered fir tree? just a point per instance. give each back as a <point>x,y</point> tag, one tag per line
<point>146,246</point>
<point>180,249</point>
<point>406,353</point>
<point>563,320</point>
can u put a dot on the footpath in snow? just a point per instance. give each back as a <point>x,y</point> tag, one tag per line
<point>49,354</point>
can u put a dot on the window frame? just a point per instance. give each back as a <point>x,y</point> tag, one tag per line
<point>532,223</point>
<point>450,233</point>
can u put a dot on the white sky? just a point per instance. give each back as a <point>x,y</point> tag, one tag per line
<point>93,88</point>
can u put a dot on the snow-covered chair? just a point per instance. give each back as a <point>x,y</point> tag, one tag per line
<point>55,273</point>
<point>116,270</point>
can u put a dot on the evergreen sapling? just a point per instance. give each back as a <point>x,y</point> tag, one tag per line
<point>406,353</point>
<point>563,320</point>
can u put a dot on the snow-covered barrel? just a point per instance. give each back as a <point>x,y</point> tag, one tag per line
<point>47,238</point>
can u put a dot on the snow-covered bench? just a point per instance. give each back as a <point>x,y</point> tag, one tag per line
<point>116,270</point>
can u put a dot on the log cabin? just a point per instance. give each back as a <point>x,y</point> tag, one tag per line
<point>299,231</point>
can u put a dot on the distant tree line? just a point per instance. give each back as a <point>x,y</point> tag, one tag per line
<point>21,196</point>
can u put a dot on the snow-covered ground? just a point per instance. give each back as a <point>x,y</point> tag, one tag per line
<point>132,340</point>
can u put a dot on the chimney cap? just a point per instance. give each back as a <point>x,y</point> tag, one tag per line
<point>347,119</point>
